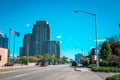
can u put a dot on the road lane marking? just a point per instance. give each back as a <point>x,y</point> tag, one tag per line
<point>63,76</point>
<point>7,72</point>
<point>11,71</point>
<point>20,75</point>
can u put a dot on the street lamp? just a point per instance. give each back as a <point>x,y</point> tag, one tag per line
<point>96,33</point>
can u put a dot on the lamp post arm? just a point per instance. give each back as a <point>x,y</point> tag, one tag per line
<point>96,33</point>
<point>85,12</point>
<point>88,13</point>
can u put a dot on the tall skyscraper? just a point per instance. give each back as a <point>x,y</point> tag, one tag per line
<point>52,48</point>
<point>21,51</point>
<point>40,34</point>
<point>3,41</point>
<point>39,43</point>
<point>26,45</point>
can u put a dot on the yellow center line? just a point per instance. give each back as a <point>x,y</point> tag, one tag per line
<point>7,72</point>
<point>11,71</point>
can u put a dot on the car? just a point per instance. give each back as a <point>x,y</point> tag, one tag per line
<point>41,63</point>
<point>74,63</point>
<point>37,63</point>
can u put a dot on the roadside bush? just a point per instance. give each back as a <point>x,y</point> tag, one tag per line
<point>108,64</point>
<point>8,64</point>
<point>112,64</point>
<point>114,77</point>
<point>105,69</point>
<point>91,65</point>
<point>103,64</point>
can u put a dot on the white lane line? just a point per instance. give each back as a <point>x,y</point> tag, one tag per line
<point>25,74</point>
<point>63,76</point>
<point>20,75</point>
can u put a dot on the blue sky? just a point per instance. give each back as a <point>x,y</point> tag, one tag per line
<point>75,31</point>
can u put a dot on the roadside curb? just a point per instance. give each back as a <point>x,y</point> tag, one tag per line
<point>13,67</point>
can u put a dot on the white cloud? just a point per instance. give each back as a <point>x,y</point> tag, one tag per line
<point>27,25</point>
<point>61,42</point>
<point>100,40</point>
<point>59,36</point>
<point>92,47</point>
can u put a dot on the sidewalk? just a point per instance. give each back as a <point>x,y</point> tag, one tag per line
<point>82,69</point>
<point>90,75</point>
<point>87,74</point>
<point>16,66</point>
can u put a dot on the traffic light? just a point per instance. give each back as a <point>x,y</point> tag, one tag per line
<point>93,51</point>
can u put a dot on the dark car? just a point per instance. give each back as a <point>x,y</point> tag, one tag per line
<point>41,63</point>
<point>37,63</point>
<point>74,63</point>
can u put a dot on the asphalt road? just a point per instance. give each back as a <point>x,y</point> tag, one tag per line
<point>56,72</point>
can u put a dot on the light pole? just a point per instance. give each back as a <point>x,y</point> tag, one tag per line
<point>96,32</point>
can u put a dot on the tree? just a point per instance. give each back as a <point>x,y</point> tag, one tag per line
<point>90,57</point>
<point>46,57</point>
<point>105,51</point>
<point>39,57</point>
<point>64,60</point>
<point>32,58</point>
<point>53,58</point>
<point>23,59</point>
<point>114,42</point>
<point>115,38</point>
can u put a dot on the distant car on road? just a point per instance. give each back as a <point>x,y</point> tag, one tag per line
<point>41,63</point>
<point>74,63</point>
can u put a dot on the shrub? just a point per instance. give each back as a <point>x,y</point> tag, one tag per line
<point>91,65</point>
<point>8,64</point>
<point>112,64</point>
<point>103,64</point>
<point>114,77</point>
<point>108,64</point>
<point>105,69</point>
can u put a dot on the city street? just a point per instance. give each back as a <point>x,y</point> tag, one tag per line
<point>54,72</point>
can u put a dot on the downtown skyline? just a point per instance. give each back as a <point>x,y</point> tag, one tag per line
<point>40,42</point>
<point>75,31</point>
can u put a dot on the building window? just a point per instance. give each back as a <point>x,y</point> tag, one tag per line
<point>0,57</point>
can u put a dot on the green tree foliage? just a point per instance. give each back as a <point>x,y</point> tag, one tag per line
<point>23,59</point>
<point>115,46</point>
<point>105,51</point>
<point>32,59</point>
<point>114,42</point>
<point>90,57</point>
<point>46,57</point>
<point>49,58</point>
<point>39,57</point>
<point>64,59</point>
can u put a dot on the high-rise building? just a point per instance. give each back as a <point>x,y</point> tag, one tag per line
<point>78,58</point>
<point>39,42</point>
<point>21,51</point>
<point>3,41</point>
<point>52,48</point>
<point>26,45</point>
<point>58,54</point>
<point>40,34</point>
